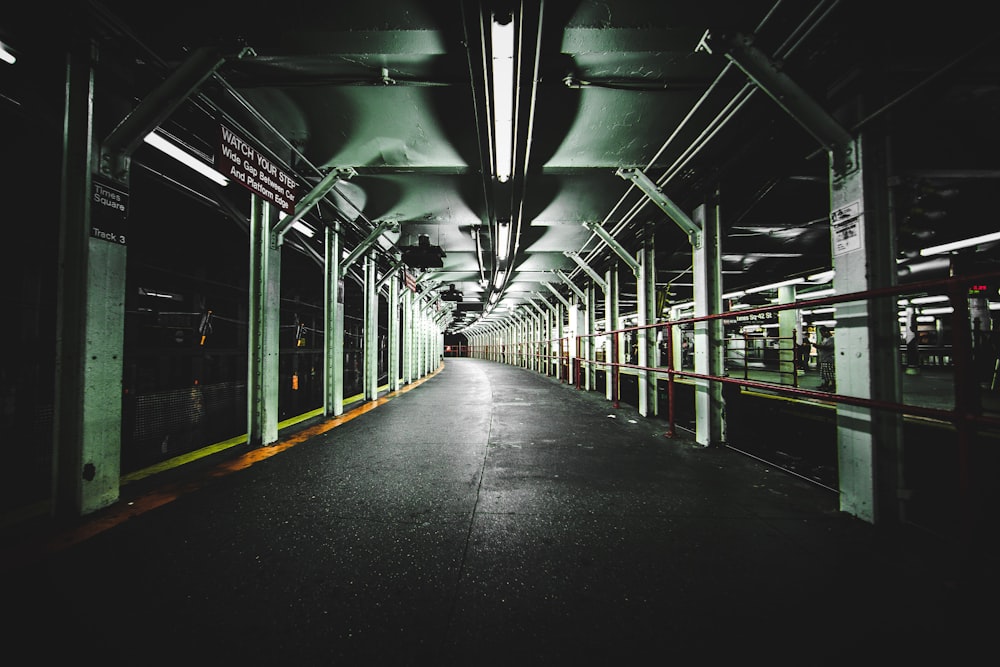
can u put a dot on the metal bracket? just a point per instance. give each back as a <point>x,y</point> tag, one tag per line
<point>767,75</point>
<point>653,191</point>
<point>363,247</point>
<point>613,244</point>
<point>388,275</point>
<point>569,283</point>
<point>559,296</point>
<point>545,302</point>
<point>598,280</point>
<point>311,198</point>
<point>118,146</point>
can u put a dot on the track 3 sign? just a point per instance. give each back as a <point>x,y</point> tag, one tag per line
<point>239,160</point>
<point>108,212</point>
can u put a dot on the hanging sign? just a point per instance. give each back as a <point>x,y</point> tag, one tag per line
<point>108,212</point>
<point>239,160</point>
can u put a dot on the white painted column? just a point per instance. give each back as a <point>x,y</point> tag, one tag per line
<point>709,346</point>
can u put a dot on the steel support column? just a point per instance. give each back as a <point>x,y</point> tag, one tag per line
<point>611,300</point>
<point>371,329</point>
<point>408,318</point>
<point>333,313</point>
<point>867,335</point>
<point>787,329</point>
<point>264,327</point>
<point>646,338</point>
<point>394,333</point>
<point>589,342</point>
<point>709,345</point>
<point>90,313</point>
<point>572,329</point>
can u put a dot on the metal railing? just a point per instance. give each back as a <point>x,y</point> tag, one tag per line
<point>966,414</point>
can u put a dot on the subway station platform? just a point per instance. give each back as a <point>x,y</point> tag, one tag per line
<point>488,515</point>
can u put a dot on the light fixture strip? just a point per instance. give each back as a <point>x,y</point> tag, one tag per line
<point>957,245</point>
<point>937,298</point>
<point>821,277</point>
<point>502,43</point>
<point>815,295</point>
<point>476,235</point>
<point>503,240</point>
<point>158,142</point>
<point>6,56</point>
<point>783,283</point>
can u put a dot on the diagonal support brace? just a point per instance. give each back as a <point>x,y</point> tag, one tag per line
<point>614,245</point>
<point>118,146</point>
<point>777,85</point>
<point>545,302</point>
<point>559,296</point>
<point>569,283</point>
<point>388,274</point>
<point>653,191</point>
<point>598,280</point>
<point>363,247</point>
<point>312,198</point>
<point>533,304</point>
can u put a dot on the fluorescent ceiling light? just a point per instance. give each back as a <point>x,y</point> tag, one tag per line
<point>955,245</point>
<point>503,240</point>
<point>937,311</point>
<point>143,291</point>
<point>502,41</point>
<point>300,226</point>
<point>926,318</point>
<point>501,277</point>
<point>826,323</point>
<point>821,277</point>
<point>929,299</point>
<point>476,235</point>
<point>733,295</point>
<point>783,283</point>
<point>6,55</point>
<point>158,142</point>
<point>817,294</point>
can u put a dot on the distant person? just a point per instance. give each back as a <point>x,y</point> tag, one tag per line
<point>827,370</point>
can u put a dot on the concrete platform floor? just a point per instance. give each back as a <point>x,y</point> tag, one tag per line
<point>492,516</point>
